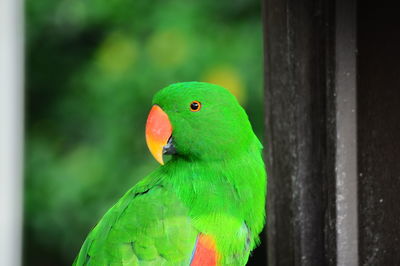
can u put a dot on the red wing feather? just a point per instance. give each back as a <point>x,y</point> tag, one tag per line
<point>205,253</point>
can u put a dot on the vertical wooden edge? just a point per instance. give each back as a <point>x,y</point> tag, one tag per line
<point>268,147</point>
<point>298,78</point>
<point>346,133</point>
<point>278,205</point>
<point>308,85</point>
<point>331,145</point>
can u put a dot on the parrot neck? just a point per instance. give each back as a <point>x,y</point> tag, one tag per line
<point>234,187</point>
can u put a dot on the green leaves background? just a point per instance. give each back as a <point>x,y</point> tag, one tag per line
<point>92,69</point>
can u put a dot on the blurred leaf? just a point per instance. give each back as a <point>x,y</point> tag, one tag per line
<point>168,48</point>
<point>117,53</point>
<point>227,77</point>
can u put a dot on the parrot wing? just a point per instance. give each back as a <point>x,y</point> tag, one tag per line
<point>148,226</point>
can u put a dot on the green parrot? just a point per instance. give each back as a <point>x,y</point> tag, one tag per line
<point>206,205</point>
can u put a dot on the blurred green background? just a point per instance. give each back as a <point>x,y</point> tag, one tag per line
<point>92,69</point>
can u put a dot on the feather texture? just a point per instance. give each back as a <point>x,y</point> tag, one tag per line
<point>212,192</point>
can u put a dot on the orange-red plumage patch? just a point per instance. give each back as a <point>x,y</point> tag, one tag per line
<point>205,253</point>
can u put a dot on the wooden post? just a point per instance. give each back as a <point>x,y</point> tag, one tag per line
<point>310,99</point>
<point>378,102</point>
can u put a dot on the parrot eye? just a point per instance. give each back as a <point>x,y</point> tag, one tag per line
<point>195,106</point>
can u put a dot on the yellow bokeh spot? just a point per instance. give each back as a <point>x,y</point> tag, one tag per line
<point>117,53</point>
<point>167,48</point>
<point>229,78</point>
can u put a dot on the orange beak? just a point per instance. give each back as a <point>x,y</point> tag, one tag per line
<point>158,131</point>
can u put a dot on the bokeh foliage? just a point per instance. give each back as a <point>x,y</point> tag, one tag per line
<point>92,69</point>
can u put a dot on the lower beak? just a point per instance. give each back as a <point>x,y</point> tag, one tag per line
<point>158,133</point>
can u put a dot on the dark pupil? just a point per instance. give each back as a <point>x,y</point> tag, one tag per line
<point>194,106</point>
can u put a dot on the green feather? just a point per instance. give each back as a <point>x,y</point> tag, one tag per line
<point>215,184</point>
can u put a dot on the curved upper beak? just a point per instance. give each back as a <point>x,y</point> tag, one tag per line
<point>158,133</point>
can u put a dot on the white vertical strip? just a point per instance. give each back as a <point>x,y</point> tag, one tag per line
<point>11,130</point>
<point>346,125</point>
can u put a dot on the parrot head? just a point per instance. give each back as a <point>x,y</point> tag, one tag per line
<point>197,121</point>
